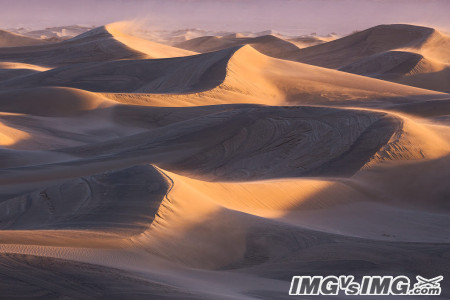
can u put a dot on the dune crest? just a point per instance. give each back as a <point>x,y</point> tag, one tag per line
<point>267,44</point>
<point>105,43</point>
<point>10,39</point>
<point>411,55</point>
<point>152,49</point>
<point>234,75</point>
<point>137,170</point>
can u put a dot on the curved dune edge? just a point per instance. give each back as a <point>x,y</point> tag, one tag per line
<point>18,65</point>
<point>183,231</point>
<point>301,83</point>
<point>374,40</point>
<point>391,136</point>
<point>9,39</point>
<point>10,135</point>
<point>429,146</point>
<point>105,43</point>
<point>220,201</point>
<point>252,77</point>
<point>51,101</point>
<point>202,226</point>
<point>235,75</point>
<point>416,57</point>
<point>417,70</point>
<point>373,139</point>
<point>185,217</point>
<point>270,45</point>
<point>10,70</point>
<point>152,49</point>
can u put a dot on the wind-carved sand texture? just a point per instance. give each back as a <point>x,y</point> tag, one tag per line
<point>135,170</point>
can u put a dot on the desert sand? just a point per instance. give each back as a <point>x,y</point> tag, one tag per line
<point>11,39</point>
<point>407,54</point>
<point>267,44</point>
<point>136,170</point>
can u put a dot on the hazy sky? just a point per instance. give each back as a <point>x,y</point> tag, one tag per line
<point>289,16</point>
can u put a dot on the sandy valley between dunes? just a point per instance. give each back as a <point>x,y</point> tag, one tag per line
<point>222,168</point>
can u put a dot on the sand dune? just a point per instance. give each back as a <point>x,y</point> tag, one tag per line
<point>307,204</point>
<point>9,39</point>
<point>234,75</point>
<point>374,40</point>
<point>267,44</point>
<point>152,49</point>
<point>438,81</point>
<point>9,70</point>
<point>49,102</point>
<point>406,68</point>
<point>177,75</point>
<point>406,54</point>
<point>104,43</point>
<point>218,175</point>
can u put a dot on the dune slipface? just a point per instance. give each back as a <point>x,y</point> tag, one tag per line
<point>412,55</point>
<point>134,170</point>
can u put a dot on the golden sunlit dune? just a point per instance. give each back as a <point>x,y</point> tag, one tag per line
<point>406,54</point>
<point>135,170</point>
<point>234,75</point>
<point>361,44</point>
<point>9,70</point>
<point>14,66</point>
<point>152,49</point>
<point>104,43</point>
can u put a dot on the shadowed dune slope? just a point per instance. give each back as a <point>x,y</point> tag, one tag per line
<point>411,55</point>
<point>406,68</point>
<point>397,62</point>
<point>9,39</point>
<point>184,233</point>
<point>9,70</point>
<point>371,41</point>
<point>268,44</point>
<point>234,75</point>
<point>56,102</point>
<point>104,43</point>
<point>321,142</point>
<point>176,75</point>
<point>304,141</point>
<point>54,117</point>
<point>218,175</point>
<point>49,278</point>
<point>296,204</point>
<point>90,202</point>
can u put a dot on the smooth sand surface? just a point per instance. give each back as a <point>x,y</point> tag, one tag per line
<point>132,170</point>
<point>104,43</point>
<point>266,44</point>
<point>10,39</point>
<point>407,54</point>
